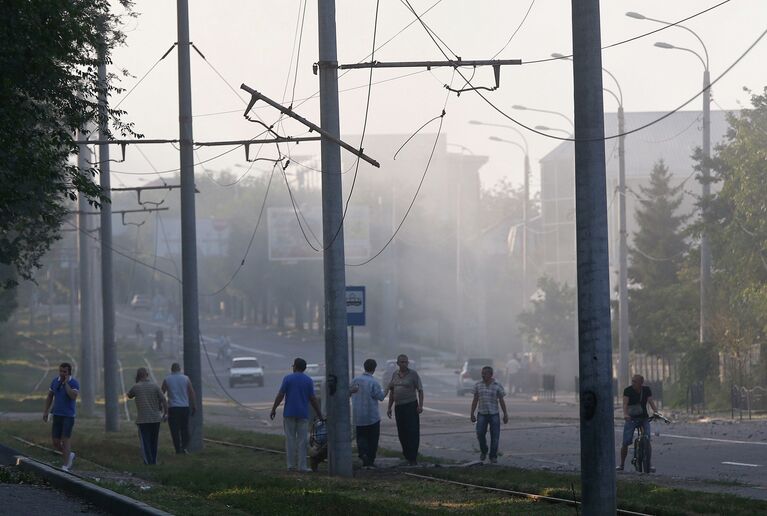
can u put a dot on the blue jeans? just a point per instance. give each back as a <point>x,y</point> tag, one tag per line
<point>494,421</point>
<point>631,425</point>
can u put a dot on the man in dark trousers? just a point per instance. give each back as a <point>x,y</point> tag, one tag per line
<point>366,394</point>
<point>182,402</point>
<point>62,394</point>
<point>406,394</point>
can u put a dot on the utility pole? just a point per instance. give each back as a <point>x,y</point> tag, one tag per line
<point>111,369</point>
<point>705,249</point>
<point>336,344</point>
<point>525,222</point>
<point>192,365</point>
<point>623,289</point>
<point>594,340</point>
<point>86,374</point>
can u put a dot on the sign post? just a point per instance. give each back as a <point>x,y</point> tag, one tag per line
<point>355,313</point>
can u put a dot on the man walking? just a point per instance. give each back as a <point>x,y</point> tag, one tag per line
<point>297,390</point>
<point>182,403</point>
<point>62,394</point>
<point>488,394</point>
<point>406,394</point>
<point>366,393</point>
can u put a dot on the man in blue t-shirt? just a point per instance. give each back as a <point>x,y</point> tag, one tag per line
<point>62,394</point>
<point>298,391</point>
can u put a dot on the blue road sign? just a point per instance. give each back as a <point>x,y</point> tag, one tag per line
<point>355,306</point>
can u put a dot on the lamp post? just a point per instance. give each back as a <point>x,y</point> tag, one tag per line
<point>550,112</point>
<point>559,129</point>
<point>623,298</point>
<point>705,250</point>
<point>526,202</point>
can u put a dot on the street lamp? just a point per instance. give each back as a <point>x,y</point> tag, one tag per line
<point>623,297</point>
<point>536,110</point>
<point>525,212</point>
<point>547,128</point>
<point>705,250</point>
<point>526,203</point>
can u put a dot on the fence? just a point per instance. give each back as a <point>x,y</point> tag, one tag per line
<point>696,397</point>
<point>549,382</point>
<point>743,398</point>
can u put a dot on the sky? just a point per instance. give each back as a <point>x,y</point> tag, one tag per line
<point>257,43</point>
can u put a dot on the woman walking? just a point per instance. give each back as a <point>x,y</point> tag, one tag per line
<point>152,410</point>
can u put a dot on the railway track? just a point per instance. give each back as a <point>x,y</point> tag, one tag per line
<point>426,478</point>
<point>518,494</point>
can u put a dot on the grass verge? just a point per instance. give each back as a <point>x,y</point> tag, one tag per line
<point>238,481</point>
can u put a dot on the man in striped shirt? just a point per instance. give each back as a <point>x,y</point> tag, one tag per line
<point>488,395</point>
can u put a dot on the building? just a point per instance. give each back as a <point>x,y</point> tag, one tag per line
<point>673,140</point>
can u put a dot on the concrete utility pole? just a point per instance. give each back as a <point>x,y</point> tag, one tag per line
<point>87,376</point>
<point>705,248</point>
<point>595,347</point>
<point>336,344</point>
<point>111,369</point>
<point>192,365</point>
<point>623,279</point>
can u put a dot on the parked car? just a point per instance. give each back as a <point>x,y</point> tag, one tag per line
<point>317,373</point>
<point>140,301</point>
<point>470,374</point>
<point>246,370</point>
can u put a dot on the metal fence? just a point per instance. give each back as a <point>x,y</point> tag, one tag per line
<point>750,400</point>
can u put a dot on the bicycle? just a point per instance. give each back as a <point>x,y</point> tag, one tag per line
<point>642,457</point>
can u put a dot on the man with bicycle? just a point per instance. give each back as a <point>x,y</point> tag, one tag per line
<point>635,400</point>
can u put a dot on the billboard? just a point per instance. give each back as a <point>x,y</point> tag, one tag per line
<point>287,241</point>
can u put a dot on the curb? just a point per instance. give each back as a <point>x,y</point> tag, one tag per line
<point>110,501</point>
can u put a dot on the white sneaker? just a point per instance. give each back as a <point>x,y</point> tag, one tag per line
<point>65,468</point>
<point>70,461</point>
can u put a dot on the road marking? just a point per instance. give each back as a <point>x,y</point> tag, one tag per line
<point>456,414</point>
<point>727,441</point>
<point>260,351</point>
<point>742,464</point>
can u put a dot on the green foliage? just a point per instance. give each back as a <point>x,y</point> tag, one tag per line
<point>737,225</point>
<point>549,325</point>
<point>663,312</point>
<point>48,91</point>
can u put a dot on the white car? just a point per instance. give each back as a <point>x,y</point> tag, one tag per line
<point>246,370</point>
<point>317,373</point>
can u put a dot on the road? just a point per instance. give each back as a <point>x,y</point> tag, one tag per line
<point>706,454</point>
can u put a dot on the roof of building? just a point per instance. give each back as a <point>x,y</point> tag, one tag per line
<point>673,139</point>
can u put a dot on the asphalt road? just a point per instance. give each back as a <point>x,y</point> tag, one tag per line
<point>709,454</point>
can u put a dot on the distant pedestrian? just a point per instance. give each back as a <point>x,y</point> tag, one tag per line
<point>297,390</point>
<point>159,337</point>
<point>512,373</point>
<point>151,410</point>
<point>182,403</point>
<point>406,394</point>
<point>488,395</point>
<point>366,393</point>
<point>139,335</point>
<point>62,394</point>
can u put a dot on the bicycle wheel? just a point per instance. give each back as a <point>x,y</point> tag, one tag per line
<point>646,454</point>
<point>637,459</point>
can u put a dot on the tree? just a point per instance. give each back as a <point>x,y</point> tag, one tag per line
<point>662,305</point>
<point>550,324</point>
<point>48,91</point>
<point>737,225</point>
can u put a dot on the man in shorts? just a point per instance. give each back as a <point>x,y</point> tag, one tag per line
<point>636,397</point>
<point>62,394</point>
